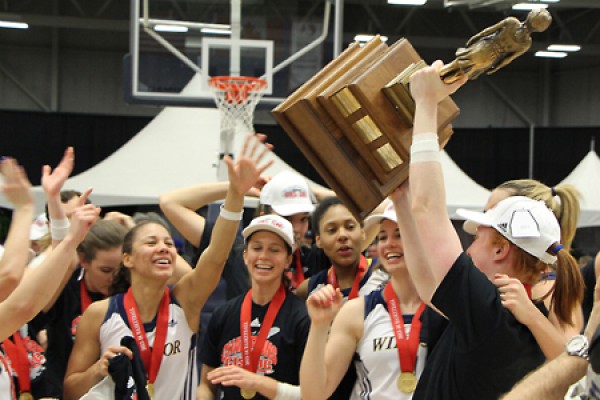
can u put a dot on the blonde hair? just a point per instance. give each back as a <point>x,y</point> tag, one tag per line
<point>563,200</point>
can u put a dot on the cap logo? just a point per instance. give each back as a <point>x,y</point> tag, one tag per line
<point>503,226</point>
<point>270,221</point>
<point>295,192</point>
<point>524,225</point>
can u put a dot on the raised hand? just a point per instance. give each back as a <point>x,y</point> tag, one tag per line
<point>83,218</point>
<point>123,219</point>
<point>324,304</point>
<point>53,180</point>
<point>246,171</point>
<point>16,187</point>
<point>425,84</point>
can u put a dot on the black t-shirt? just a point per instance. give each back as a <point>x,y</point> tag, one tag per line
<point>283,349</point>
<point>484,350</point>
<point>60,321</point>
<point>313,259</point>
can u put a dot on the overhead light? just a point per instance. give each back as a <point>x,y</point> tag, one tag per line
<point>564,47</point>
<point>550,1</point>
<point>363,38</point>
<point>216,31</point>
<point>529,6</point>
<point>551,54</point>
<point>407,2</point>
<point>13,25</point>
<point>170,28</point>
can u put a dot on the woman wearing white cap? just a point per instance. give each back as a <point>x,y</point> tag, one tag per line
<point>254,343</point>
<point>565,318</point>
<point>389,344</point>
<point>485,349</point>
<point>162,320</point>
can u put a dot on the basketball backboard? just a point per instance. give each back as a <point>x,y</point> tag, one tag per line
<point>173,43</point>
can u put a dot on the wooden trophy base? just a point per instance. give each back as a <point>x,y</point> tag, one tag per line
<point>353,121</point>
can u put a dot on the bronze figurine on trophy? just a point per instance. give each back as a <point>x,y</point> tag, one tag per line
<point>353,119</point>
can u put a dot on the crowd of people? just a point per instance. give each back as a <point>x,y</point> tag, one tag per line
<point>305,300</point>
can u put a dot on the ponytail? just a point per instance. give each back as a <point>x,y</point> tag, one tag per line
<point>567,212</point>
<point>568,288</point>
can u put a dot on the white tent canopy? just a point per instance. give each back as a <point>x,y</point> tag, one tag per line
<point>461,190</point>
<point>180,147</point>
<point>586,178</point>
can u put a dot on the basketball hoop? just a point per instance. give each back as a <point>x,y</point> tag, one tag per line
<point>237,97</point>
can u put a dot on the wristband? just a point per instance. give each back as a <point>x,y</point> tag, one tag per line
<point>286,391</point>
<point>425,148</point>
<point>59,228</point>
<point>230,215</point>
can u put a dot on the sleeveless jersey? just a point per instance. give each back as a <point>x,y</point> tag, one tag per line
<point>6,373</point>
<point>376,360</point>
<point>177,377</point>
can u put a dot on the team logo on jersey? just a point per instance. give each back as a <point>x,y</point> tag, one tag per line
<point>232,354</point>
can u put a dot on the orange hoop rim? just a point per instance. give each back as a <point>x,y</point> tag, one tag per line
<point>248,83</point>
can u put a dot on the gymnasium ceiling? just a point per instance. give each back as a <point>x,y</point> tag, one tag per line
<point>435,29</point>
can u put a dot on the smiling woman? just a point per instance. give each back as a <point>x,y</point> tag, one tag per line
<point>392,339</point>
<point>158,317</point>
<point>268,324</point>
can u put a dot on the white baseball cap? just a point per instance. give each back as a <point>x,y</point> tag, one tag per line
<point>287,193</point>
<point>527,223</point>
<point>272,223</point>
<point>39,227</point>
<point>373,222</point>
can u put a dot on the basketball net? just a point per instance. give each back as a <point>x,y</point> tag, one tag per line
<point>236,97</point>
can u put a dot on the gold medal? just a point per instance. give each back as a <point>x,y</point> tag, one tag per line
<point>25,396</point>
<point>247,394</point>
<point>407,382</point>
<point>150,389</point>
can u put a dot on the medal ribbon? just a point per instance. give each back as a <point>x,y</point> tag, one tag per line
<point>152,357</point>
<point>8,372</point>
<point>86,300</point>
<point>17,353</point>
<point>298,276</point>
<point>407,346</point>
<point>362,267</point>
<point>527,287</point>
<point>251,354</point>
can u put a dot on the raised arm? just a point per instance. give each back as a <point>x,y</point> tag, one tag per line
<point>438,238</point>
<point>328,355</point>
<point>179,206</point>
<point>492,29</point>
<point>17,190</point>
<point>43,281</point>
<point>195,287</point>
<point>52,183</point>
<point>421,273</point>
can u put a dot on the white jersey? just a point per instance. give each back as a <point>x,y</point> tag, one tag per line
<point>177,377</point>
<point>377,364</point>
<point>6,384</point>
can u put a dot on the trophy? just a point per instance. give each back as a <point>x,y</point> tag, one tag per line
<point>353,119</point>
